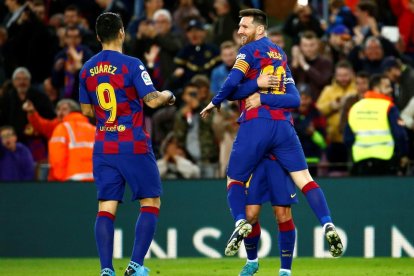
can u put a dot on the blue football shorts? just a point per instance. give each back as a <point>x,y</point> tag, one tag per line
<point>259,137</point>
<point>140,171</point>
<point>270,182</point>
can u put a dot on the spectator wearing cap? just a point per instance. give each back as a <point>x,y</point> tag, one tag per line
<point>16,161</point>
<point>339,43</point>
<point>329,104</point>
<point>228,53</point>
<point>197,57</point>
<point>310,127</point>
<point>402,79</point>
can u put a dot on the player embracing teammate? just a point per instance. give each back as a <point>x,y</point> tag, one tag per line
<point>266,131</point>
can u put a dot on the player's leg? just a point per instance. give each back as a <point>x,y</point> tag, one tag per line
<point>282,194</point>
<point>146,187</point>
<point>144,233</point>
<point>110,186</point>
<point>286,238</point>
<point>248,149</point>
<point>290,154</point>
<point>251,242</point>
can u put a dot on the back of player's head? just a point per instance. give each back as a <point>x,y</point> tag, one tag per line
<point>375,80</point>
<point>107,26</point>
<point>259,17</point>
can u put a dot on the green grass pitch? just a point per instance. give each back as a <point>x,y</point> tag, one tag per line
<point>220,267</point>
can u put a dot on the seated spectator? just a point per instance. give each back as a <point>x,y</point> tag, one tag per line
<point>185,10</point>
<point>197,57</point>
<point>16,161</point>
<point>362,86</point>
<point>402,79</point>
<point>174,163</point>
<point>226,22</point>
<point>340,14</point>
<point>339,43</point>
<point>115,6</point>
<point>374,135</point>
<point>302,19</point>
<point>73,19</point>
<point>156,45</point>
<point>309,66</point>
<point>11,112</point>
<point>310,127</point>
<point>276,36</point>
<point>329,104</point>
<point>225,128</point>
<point>70,148</point>
<point>228,53</point>
<point>68,62</point>
<point>195,135</point>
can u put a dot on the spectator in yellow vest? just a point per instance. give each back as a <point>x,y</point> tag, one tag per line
<point>375,132</point>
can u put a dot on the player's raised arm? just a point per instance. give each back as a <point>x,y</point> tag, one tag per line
<point>156,99</point>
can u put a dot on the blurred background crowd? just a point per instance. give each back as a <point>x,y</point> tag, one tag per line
<point>189,46</point>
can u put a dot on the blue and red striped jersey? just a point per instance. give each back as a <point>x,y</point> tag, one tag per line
<point>259,57</point>
<point>115,85</point>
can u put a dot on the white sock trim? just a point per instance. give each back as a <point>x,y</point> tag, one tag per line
<point>285,270</point>
<point>326,224</point>
<point>253,261</point>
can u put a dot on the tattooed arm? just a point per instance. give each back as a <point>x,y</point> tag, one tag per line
<point>156,99</point>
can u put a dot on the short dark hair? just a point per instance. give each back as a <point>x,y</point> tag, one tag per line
<point>107,26</point>
<point>344,64</point>
<point>368,6</point>
<point>7,127</point>
<point>259,17</point>
<point>72,7</point>
<point>375,80</point>
<point>362,74</point>
<point>308,35</point>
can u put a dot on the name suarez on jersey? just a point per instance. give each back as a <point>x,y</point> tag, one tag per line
<point>103,68</point>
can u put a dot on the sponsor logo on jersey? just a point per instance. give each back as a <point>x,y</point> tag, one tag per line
<point>114,128</point>
<point>146,78</point>
<point>289,80</point>
<point>241,56</point>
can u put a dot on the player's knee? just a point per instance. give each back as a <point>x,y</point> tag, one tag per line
<point>282,213</point>
<point>152,202</point>
<point>252,216</point>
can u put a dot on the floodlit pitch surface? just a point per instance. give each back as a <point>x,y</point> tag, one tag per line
<point>202,266</point>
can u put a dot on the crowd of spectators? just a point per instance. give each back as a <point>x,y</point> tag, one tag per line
<point>189,46</point>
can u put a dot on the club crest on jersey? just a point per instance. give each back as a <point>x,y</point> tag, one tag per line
<point>146,78</point>
<point>241,56</point>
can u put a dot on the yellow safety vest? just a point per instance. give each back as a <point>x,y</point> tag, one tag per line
<point>368,120</point>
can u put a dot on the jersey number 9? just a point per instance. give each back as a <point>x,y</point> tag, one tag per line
<point>105,93</point>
